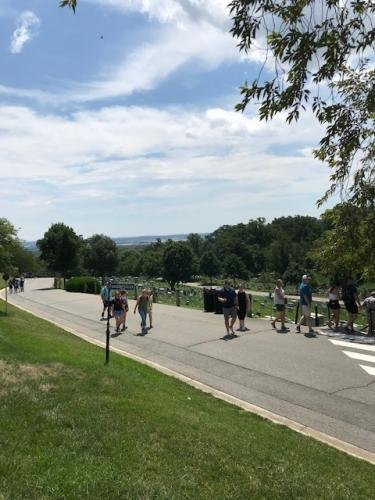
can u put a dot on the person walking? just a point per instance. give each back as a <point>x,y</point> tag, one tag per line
<point>351,301</point>
<point>334,306</point>
<point>228,297</point>
<point>118,310</point>
<point>369,305</point>
<point>106,297</point>
<point>10,286</point>
<point>243,307</point>
<point>305,299</point>
<point>22,283</point>
<point>279,302</point>
<point>124,298</point>
<point>142,305</point>
<point>150,304</point>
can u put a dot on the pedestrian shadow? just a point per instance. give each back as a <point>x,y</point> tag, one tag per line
<point>282,330</point>
<point>45,289</point>
<point>143,333</point>
<point>229,336</point>
<point>116,334</point>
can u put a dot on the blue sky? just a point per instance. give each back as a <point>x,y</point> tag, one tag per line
<point>120,120</point>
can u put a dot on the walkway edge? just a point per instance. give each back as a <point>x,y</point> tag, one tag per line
<point>348,448</point>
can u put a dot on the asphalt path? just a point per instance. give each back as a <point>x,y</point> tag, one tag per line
<point>326,383</point>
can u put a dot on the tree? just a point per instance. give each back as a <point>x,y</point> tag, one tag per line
<point>177,262</point>
<point>25,261</point>
<point>8,244</point>
<point>346,248</point>
<point>235,268</point>
<point>209,265</point>
<point>195,241</point>
<point>101,255</point>
<point>320,56</point>
<point>152,264</point>
<point>129,262</point>
<point>60,249</point>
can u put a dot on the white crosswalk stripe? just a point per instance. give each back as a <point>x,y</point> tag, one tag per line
<point>353,354</point>
<point>369,369</point>
<point>363,347</point>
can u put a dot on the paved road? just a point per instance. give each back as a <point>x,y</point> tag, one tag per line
<point>326,383</point>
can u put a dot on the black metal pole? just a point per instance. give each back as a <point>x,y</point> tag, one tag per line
<point>107,330</point>
<point>316,316</point>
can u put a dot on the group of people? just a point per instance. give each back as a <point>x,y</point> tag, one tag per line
<point>117,306</point>
<point>238,304</point>
<point>352,303</point>
<point>16,284</point>
<point>234,305</point>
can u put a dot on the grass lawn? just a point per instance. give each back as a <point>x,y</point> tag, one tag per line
<point>72,428</point>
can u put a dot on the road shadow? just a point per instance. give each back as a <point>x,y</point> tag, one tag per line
<point>45,289</point>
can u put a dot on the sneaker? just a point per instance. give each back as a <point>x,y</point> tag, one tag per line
<point>117,329</point>
<point>123,328</point>
<point>273,324</point>
<point>298,329</point>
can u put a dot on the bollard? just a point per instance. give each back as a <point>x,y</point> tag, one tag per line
<point>328,314</point>
<point>297,310</point>
<point>316,316</point>
<point>178,302</point>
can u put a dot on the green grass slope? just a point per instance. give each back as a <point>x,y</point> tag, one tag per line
<point>72,428</point>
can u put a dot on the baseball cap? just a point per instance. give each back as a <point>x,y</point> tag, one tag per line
<point>306,277</point>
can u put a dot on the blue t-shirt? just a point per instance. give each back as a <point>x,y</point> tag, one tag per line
<point>305,290</point>
<point>230,295</point>
<point>106,294</point>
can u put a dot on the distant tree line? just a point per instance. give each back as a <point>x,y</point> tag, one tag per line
<point>338,244</point>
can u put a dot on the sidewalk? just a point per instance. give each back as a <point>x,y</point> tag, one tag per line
<point>306,384</point>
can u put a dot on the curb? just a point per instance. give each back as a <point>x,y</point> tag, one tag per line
<point>338,444</point>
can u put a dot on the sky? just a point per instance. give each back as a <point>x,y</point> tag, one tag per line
<point>120,120</point>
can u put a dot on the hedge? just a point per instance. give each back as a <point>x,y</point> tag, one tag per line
<point>83,284</point>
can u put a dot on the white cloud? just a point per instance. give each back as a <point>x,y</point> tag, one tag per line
<point>27,26</point>
<point>175,11</point>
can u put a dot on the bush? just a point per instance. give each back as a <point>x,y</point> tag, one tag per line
<point>85,284</point>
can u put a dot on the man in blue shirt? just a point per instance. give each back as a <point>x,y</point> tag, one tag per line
<point>106,296</point>
<point>228,297</point>
<point>305,299</point>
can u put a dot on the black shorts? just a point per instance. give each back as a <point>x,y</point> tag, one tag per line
<point>334,304</point>
<point>351,307</point>
<point>280,307</point>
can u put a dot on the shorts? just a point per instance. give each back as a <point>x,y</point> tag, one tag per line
<point>351,307</point>
<point>334,304</point>
<point>230,312</point>
<point>106,303</point>
<point>280,307</point>
<point>118,314</point>
<point>305,311</point>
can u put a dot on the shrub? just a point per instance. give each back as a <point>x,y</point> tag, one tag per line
<point>85,284</point>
